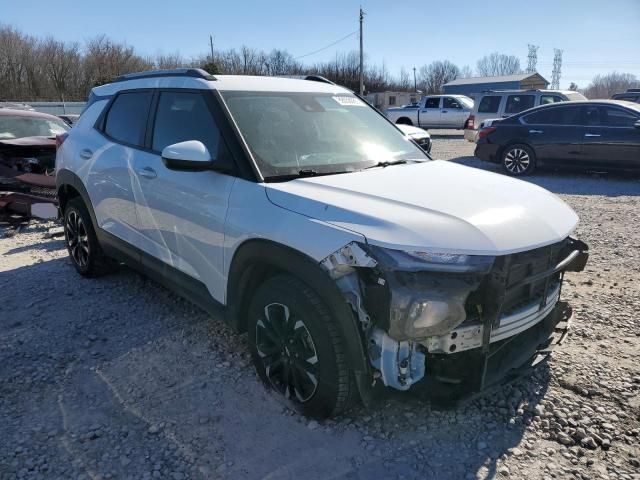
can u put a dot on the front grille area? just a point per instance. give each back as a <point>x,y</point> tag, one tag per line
<point>521,266</point>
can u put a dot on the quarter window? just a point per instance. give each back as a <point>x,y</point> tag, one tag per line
<point>519,103</point>
<point>183,116</point>
<point>433,103</point>
<point>127,117</point>
<point>489,105</point>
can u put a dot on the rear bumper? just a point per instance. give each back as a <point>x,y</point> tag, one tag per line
<point>487,152</point>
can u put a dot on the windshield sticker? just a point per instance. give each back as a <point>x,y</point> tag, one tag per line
<point>348,101</point>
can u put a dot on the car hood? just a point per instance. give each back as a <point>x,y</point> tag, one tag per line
<point>413,131</point>
<point>30,142</point>
<point>437,205</point>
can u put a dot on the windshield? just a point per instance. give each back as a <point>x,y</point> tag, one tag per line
<point>316,133</point>
<point>18,127</point>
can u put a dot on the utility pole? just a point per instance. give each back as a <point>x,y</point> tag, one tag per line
<point>361,55</point>
<point>211,44</point>
<point>415,84</point>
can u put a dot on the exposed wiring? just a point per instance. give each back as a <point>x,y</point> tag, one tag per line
<point>328,46</point>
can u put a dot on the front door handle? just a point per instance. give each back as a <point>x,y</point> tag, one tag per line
<point>591,135</point>
<point>147,172</point>
<point>536,131</point>
<point>86,153</point>
<point>445,111</point>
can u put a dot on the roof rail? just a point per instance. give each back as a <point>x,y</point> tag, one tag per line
<point>312,78</point>
<point>175,72</point>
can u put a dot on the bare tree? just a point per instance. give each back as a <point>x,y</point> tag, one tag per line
<point>466,72</point>
<point>497,64</point>
<point>603,86</point>
<point>436,74</point>
<point>403,80</point>
<point>60,61</point>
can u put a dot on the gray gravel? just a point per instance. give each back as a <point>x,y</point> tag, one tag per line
<point>118,378</point>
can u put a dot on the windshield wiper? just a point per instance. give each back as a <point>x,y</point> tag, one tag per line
<point>304,173</point>
<point>388,164</point>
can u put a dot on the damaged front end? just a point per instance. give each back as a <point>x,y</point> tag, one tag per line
<point>462,321</point>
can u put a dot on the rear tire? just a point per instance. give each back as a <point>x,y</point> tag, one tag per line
<point>82,243</point>
<point>297,348</point>
<point>518,160</point>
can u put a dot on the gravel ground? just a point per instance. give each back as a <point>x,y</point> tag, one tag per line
<point>118,378</point>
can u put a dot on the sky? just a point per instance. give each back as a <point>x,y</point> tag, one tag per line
<point>596,36</point>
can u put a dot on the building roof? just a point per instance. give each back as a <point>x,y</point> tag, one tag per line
<point>501,79</point>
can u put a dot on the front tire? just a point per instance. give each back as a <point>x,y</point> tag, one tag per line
<point>297,348</point>
<point>404,121</point>
<point>518,160</point>
<point>82,243</point>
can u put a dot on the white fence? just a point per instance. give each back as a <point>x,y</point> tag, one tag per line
<point>57,108</point>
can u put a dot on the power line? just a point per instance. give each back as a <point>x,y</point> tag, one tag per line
<point>328,46</point>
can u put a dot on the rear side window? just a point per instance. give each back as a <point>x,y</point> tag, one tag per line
<point>127,117</point>
<point>519,103</point>
<point>554,116</point>
<point>183,116</point>
<point>489,105</point>
<point>432,103</point>
<point>546,99</point>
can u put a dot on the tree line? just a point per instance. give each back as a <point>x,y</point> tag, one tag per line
<point>47,69</point>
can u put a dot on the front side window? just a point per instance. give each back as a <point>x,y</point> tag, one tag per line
<point>616,117</point>
<point>432,103</point>
<point>320,133</point>
<point>183,116</point>
<point>489,104</point>
<point>20,126</point>
<point>546,99</point>
<point>127,118</point>
<point>519,103</point>
<point>451,103</point>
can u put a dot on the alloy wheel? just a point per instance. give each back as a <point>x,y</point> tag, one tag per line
<point>287,351</point>
<point>517,160</point>
<point>77,239</point>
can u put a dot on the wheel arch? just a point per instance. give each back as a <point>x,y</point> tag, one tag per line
<point>404,121</point>
<point>68,186</point>
<point>257,260</point>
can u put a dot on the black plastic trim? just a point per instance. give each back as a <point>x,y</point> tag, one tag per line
<point>177,72</point>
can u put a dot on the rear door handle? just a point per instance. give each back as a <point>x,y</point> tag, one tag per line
<point>86,153</point>
<point>592,135</point>
<point>147,172</point>
<point>445,111</point>
<point>536,131</point>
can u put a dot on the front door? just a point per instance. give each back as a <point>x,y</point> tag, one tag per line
<point>181,214</point>
<point>430,112</point>
<point>610,138</point>
<point>452,114</point>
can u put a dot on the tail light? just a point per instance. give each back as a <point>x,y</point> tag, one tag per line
<point>471,121</point>
<point>485,132</point>
<point>60,139</point>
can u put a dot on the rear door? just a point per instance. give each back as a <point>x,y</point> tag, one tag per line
<point>182,213</point>
<point>109,161</point>
<point>610,137</point>
<point>429,115</point>
<point>555,134</point>
<point>452,113</point>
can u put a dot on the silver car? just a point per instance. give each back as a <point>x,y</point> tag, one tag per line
<point>504,103</point>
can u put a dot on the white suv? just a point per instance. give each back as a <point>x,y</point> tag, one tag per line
<point>351,258</point>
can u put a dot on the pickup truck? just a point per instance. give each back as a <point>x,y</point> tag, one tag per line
<point>434,111</point>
